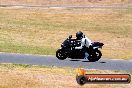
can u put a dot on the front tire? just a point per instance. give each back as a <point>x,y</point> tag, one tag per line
<point>60,54</point>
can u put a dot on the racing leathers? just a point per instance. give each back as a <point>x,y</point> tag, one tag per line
<point>85,42</point>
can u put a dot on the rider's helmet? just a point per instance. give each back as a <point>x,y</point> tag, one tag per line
<point>79,35</point>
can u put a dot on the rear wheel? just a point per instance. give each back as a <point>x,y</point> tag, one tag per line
<point>98,55</point>
<point>60,54</point>
<point>95,56</point>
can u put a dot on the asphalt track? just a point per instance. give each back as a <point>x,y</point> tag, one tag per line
<point>103,64</point>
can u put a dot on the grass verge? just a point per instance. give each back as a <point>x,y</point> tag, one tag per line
<point>30,76</point>
<point>66,2</point>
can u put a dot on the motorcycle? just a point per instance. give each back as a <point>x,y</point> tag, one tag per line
<point>68,50</point>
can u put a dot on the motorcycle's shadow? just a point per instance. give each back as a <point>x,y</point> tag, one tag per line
<point>102,62</point>
<point>87,61</point>
<point>95,62</point>
<point>75,60</point>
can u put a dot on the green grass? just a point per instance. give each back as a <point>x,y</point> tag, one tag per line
<point>24,66</point>
<point>16,48</point>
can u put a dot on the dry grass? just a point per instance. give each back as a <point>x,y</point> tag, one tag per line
<point>41,31</point>
<point>26,76</point>
<point>66,2</point>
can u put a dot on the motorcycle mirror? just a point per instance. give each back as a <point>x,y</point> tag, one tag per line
<point>70,36</point>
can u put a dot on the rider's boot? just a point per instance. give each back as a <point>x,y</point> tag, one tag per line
<point>86,55</point>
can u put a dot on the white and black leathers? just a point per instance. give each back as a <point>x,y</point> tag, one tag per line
<point>85,42</point>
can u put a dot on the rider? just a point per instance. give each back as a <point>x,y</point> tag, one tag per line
<point>85,43</point>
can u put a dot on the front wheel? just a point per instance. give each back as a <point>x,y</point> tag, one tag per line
<point>95,56</point>
<point>60,54</point>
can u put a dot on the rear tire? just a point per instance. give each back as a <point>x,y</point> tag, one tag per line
<point>95,56</point>
<point>91,58</point>
<point>98,55</point>
<point>60,54</point>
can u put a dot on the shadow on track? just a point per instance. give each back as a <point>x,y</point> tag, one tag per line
<point>85,61</point>
<point>102,62</point>
<point>75,60</point>
<point>94,62</point>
